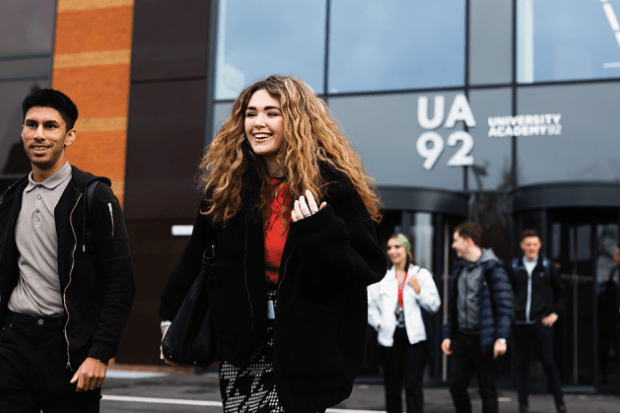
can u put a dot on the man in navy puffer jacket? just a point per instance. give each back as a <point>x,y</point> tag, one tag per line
<point>479,319</point>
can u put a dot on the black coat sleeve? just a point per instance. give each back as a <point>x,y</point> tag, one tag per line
<point>115,273</point>
<point>338,245</point>
<point>187,267</point>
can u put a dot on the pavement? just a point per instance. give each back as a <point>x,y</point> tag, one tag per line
<point>162,389</point>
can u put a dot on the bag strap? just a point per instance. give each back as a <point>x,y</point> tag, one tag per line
<point>87,214</point>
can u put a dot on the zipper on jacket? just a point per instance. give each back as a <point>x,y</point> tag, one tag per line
<point>284,271</point>
<point>528,305</point>
<point>64,294</point>
<point>111,216</point>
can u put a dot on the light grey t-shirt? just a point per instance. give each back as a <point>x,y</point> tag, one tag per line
<point>38,289</point>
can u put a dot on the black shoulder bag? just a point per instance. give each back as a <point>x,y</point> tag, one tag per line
<point>190,339</point>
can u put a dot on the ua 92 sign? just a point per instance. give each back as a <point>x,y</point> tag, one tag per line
<point>430,145</point>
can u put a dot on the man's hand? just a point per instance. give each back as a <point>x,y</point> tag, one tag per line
<point>499,348</point>
<point>445,346</point>
<point>90,375</point>
<point>549,320</point>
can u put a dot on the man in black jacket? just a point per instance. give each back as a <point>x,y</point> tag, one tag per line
<point>539,297</point>
<point>64,300</point>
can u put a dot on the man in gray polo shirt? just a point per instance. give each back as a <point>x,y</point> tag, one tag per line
<point>63,301</point>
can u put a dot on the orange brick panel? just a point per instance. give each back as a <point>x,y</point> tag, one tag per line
<point>98,91</point>
<point>101,153</point>
<point>93,30</point>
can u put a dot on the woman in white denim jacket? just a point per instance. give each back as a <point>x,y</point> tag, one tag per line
<point>396,309</point>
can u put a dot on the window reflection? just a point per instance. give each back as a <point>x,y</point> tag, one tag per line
<point>567,40</point>
<point>256,39</point>
<point>396,45</point>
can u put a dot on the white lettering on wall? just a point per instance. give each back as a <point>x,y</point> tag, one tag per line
<point>460,110</point>
<point>423,119</point>
<point>430,145</point>
<point>525,125</point>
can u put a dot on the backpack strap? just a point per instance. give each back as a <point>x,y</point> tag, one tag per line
<point>88,243</point>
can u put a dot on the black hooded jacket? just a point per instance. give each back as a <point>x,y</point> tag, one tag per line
<point>97,297</point>
<point>321,314</point>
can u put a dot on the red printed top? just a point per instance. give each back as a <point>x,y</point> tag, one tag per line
<point>276,229</point>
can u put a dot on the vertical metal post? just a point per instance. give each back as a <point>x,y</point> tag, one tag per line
<point>446,281</point>
<point>437,275</point>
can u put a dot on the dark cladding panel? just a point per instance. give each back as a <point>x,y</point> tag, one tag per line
<point>165,143</point>
<point>170,39</point>
<point>154,251</point>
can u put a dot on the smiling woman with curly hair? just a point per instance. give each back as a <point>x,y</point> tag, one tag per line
<point>292,213</point>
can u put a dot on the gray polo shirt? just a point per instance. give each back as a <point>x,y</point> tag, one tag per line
<point>38,289</point>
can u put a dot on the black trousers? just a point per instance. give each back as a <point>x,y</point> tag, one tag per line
<point>404,360</point>
<point>538,335</point>
<point>466,360</point>
<point>33,368</point>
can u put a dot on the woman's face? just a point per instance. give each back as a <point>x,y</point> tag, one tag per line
<point>264,125</point>
<point>396,251</point>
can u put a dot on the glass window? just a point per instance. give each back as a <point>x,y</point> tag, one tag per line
<point>490,42</point>
<point>567,40</point>
<point>257,39</point>
<point>406,142</point>
<point>221,112</point>
<point>26,27</point>
<point>492,165</point>
<point>566,133</point>
<point>392,44</point>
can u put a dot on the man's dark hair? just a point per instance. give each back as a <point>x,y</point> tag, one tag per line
<point>50,98</point>
<point>529,233</point>
<point>472,231</point>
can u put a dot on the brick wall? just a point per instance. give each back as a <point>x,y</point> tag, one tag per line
<point>92,55</point>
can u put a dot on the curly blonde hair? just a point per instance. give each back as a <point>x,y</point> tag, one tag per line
<point>311,137</point>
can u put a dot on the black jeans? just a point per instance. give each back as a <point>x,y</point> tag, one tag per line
<point>466,360</point>
<point>408,361</point>
<point>538,335</point>
<point>33,368</point>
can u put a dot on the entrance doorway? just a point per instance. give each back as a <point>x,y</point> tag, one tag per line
<point>581,241</point>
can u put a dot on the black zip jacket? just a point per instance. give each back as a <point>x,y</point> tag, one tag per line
<point>546,295</point>
<point>321,314</point>
<point>97,297</point>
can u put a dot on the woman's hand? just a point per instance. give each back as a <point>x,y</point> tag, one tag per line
<point>413,281</point>
<point>303,209</point>
<point>161,350</point>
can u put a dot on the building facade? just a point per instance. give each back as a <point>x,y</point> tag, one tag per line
<point>498,111</point>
